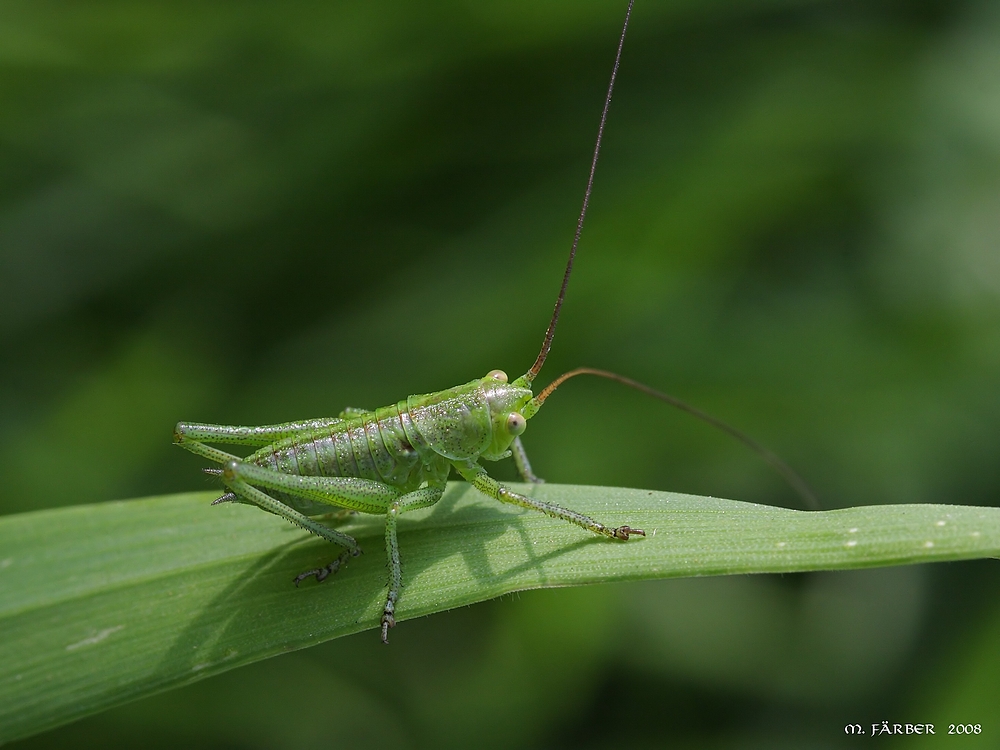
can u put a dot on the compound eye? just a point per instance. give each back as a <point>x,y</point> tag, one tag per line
<point>516,424</point>
<point>498,375</point>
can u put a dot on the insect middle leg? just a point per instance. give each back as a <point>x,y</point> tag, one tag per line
<point>421,498</point>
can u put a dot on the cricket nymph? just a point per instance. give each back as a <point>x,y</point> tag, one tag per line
<point>386,461</point>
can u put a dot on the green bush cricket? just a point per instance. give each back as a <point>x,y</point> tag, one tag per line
<point>397,458</point>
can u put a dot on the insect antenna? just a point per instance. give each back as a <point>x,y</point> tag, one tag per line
<point>796,482</point>
<point>547,343</point>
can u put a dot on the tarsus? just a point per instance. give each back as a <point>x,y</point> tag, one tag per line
<point>791,476</point>
<point>547,343</point>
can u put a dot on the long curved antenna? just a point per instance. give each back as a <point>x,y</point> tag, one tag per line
<point>791,476</point>
<point>547,343</point>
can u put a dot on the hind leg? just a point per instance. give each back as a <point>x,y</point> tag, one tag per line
<point>348,493</point>
<point>188,432</point>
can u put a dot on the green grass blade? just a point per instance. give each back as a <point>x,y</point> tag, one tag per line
<point>107,603</point>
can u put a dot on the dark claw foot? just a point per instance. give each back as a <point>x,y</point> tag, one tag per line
<point>388,621</point>
<point>623,532</point>
<point>322,573</point>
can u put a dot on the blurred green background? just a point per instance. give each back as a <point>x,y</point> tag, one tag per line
<point>257,212</point>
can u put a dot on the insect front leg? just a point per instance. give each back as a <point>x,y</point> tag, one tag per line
<point>476,476</point>
<point>522,463</point>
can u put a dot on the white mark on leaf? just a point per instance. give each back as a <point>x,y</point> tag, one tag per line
<point>852,543</point>
<point>940,523</point>
<point>6,562</point>
<point>781,544</point>
<point>204,665</point>
<point>95,638</point>
<point>853,531</point>
<point>928,544</point>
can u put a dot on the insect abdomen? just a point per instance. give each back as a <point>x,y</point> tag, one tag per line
<point>376,445</point>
